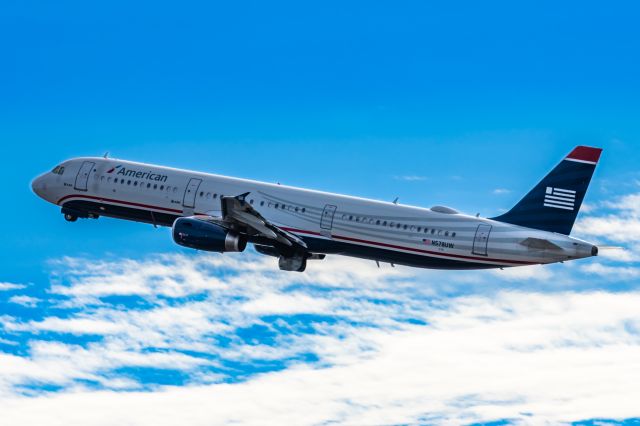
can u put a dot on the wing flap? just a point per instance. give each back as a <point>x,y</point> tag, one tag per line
<point>240,213</point>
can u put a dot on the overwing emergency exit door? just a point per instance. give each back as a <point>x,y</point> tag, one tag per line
<point>326,221</point>
<point>83,175</point>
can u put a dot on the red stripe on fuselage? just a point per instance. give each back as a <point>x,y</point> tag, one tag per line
<point>458,256</point>
<point>302,231</point>
<point>111,200</point>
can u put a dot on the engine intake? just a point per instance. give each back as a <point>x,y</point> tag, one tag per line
<point>202,235</point>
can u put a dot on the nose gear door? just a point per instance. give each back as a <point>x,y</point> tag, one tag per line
<point>83,175</point>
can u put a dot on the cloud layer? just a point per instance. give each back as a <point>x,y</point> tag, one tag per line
<point>211,339</point>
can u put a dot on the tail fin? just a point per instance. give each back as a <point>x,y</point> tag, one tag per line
<point>554,203</point>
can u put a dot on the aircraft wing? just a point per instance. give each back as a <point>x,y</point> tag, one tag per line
<point>237,212</point>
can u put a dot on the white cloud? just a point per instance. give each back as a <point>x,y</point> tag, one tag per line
<point>535,272</point>
<point>411,178</point>
<point>5,286</point>
<point>611,227</point>
<point>393,345</point>
<point>620,254</point>
<point>501,191</point>
<point>621,224</point>
<point>286,304</point>
<point>560,357</point>
<point>28,301</point>
<point>612,272</point>
<point>588,207</point>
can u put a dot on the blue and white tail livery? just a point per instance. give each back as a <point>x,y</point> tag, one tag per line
<point>559,198</point>
<point>219,214</point>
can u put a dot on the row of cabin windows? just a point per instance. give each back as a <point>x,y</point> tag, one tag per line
<point>281,206</point>
<point>142,185</point>
<point>406,227</point>
<point>208,195</point>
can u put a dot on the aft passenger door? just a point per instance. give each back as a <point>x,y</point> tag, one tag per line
<point>83,175</point>
<point>481,240</point>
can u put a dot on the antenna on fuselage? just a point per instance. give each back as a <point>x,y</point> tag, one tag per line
<point>106,155</point>
<point>396,200</point>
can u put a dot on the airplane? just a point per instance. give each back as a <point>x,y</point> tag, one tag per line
<point>223,214</point>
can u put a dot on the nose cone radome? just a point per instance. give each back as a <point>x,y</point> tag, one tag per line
<point>39,187</point>
<point>594,251</point>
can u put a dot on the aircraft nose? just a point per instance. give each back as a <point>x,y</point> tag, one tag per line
<point>39,187</point>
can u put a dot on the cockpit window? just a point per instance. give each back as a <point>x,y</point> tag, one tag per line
<point>58,170</point>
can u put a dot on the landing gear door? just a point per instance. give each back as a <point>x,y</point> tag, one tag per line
<point>83,175</point>
<point>481,240</point>
<point>189,199</point>
<point>326,221</point>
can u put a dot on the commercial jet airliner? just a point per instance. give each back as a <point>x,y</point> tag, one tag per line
<point>222,214</point>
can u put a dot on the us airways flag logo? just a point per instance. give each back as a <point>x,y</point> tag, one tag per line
<point>559,198</point>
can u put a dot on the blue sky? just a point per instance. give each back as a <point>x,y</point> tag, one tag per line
<point>459,104</point>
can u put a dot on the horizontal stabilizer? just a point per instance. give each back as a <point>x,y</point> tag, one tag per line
<point>540,244</point>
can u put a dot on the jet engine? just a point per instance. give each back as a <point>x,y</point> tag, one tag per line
<point>201,234</point>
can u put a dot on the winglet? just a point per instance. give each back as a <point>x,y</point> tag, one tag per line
<point>585,154</point>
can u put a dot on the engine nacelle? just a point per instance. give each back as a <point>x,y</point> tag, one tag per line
<point>202,235</point>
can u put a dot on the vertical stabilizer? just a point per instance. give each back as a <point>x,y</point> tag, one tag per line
<point>554,203</point>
